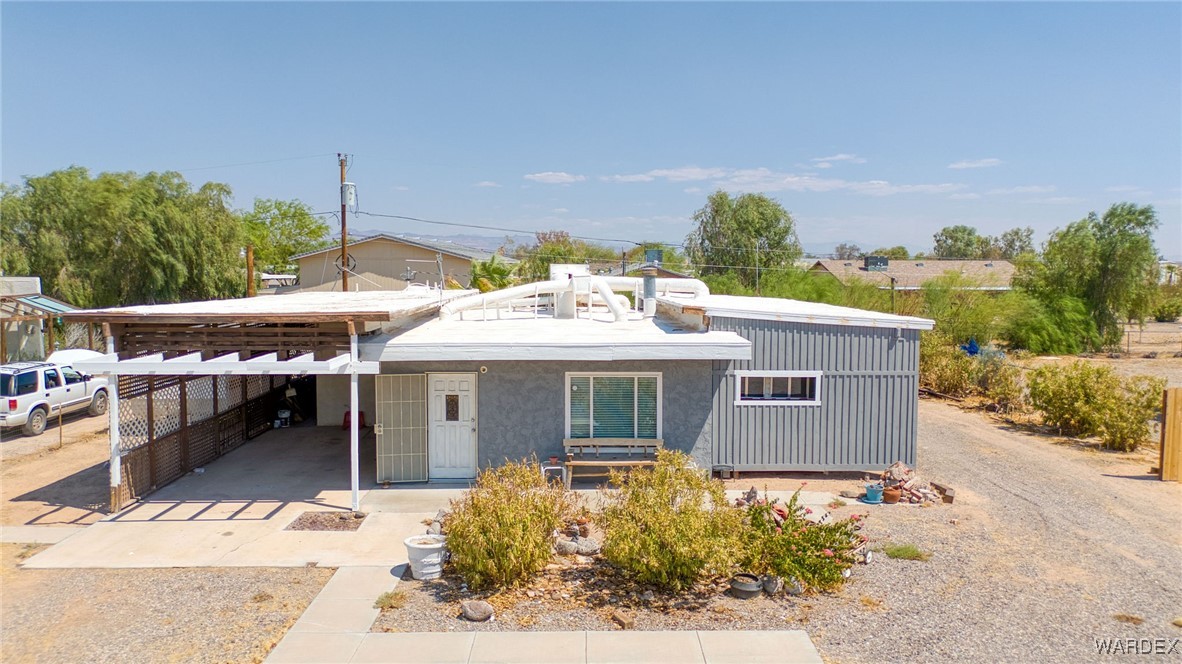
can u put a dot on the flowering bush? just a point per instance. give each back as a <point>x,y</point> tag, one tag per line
<point>780,540</point>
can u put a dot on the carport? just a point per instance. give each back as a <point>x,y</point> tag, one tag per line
<point>195,380</point>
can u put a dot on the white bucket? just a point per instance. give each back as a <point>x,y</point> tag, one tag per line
<point>426,555</point>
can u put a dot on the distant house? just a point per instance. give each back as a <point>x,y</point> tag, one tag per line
<point>387,262</point>
<point>27,321</point>
<point>995,275</point>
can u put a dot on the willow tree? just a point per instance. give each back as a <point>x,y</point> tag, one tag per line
<point>745,235</point>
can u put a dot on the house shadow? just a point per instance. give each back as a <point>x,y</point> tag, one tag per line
<point>71,500</point>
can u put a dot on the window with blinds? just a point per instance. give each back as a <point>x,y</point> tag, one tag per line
<point>613,406</point>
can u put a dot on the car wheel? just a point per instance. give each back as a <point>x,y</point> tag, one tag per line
<point>36,424</point>
<point>98,405</point>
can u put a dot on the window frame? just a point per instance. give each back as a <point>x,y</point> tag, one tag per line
<point>592,375</point>
<point>755,373</point>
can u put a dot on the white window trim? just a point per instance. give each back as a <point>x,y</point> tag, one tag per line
<point>740,375</point>
<point>635,396</point>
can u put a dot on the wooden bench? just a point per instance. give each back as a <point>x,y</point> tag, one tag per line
<point>608,453</point>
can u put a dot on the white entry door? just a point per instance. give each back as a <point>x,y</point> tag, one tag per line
<point>451,416</point>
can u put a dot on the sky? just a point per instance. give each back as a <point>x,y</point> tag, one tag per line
<point>874,123</point>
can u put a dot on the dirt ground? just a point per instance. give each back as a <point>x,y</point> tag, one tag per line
<point>148,615</point>
<point>43,485</point>
<point>1164,339</point>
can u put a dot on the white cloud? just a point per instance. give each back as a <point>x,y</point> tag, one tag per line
<point>1061,200</point>
<point>560,210</point>
<point>766,180</point>
<point>1024,189</point>
<point>964,197</point>
<point>554,177</point>
<point>486,183</point>
<point>827,162</point>
<point>975,163</point>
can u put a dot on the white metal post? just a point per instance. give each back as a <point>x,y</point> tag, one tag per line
<point>116,471</point>
<point>354,455</point>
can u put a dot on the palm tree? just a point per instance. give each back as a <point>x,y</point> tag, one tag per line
<point>492,274</point>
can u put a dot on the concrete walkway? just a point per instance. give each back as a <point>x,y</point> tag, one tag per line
<point>737,647</point>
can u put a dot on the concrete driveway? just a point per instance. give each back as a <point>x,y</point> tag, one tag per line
<point>236,511</point>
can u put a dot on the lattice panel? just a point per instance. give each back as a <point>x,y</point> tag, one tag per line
<point>278,381</point>
<point>199,396</point>
<point>132,386</point>
<point>203,443</point>
<point>231,432</point>
<point>136,475</point>
<point>169,464</point>
<point>166,408</point>
<point>258,416</point>
<point>229,392</point>
<point>257,386</point>
<point>133,422</point>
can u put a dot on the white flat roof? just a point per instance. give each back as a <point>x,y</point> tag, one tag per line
<point>774,308</point>
<point>364,305</point>
<point>521,336</point>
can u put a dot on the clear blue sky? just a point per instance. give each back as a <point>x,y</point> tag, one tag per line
<point>874,123</point>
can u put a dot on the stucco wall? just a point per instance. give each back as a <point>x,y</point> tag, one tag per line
<point>521,405</point>
<point>332,399</point>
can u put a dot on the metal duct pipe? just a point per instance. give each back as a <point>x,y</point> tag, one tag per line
<point>650,292</point>
<point>687,286</point>
<point>480,299</point>
<point>605,291</point>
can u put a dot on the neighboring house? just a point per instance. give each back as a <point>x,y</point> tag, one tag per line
<point>453,381</point>
<point>912,274</point>
<point>387,262</point>
<point>27,321</point>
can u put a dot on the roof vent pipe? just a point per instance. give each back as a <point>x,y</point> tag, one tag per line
<point>650,291</point>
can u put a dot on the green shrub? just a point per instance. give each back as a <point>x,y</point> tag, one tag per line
<point>945,368</point>
<point>1168,311</point>
<point>1001,383</point>
<point>812,553</point>
<point>500,531</point>
<point>1062,327</point>
<point>1081,399</point>
<point>670,525</point>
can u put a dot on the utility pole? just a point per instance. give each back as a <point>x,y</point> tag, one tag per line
<point>343,158</point>
<point>623,263</point>
<point>250,292</point>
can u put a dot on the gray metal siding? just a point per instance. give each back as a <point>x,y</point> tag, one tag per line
<point>521,405</point>
<point>869,401</point>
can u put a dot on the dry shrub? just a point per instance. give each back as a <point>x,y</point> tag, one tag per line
<point>1081,399</point>
<point>670,525</point>
<point>500,531</point>
<point>1001,384</point>
<point>945,368</point>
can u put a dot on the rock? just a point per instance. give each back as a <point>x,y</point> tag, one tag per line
<point>566,547</point>
<point>582,560</point>
<point>584,530</point>
<point>772,584</point>
<point>587,546</point>
<point>851,494</point>
<point>1178,621</point>
<point>793,587</point>
<point>476,610</point>
<point>647,595</point>
<point>435,528</point>
<point>624,620</point>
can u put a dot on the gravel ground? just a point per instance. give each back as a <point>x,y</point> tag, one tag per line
<point>1044,545</point>
<point>149,615</point>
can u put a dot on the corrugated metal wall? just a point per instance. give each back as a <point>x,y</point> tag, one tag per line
<point>869,400</point>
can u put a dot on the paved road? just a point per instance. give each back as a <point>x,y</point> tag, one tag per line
<point>1049,544</point>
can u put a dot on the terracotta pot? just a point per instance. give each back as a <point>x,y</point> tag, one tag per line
<point>891,495</point>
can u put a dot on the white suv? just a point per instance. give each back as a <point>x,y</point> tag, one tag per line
<point>32,392</point>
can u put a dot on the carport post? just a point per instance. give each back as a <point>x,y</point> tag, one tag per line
<point>113,415</point>
<point>353,452</point>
